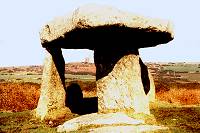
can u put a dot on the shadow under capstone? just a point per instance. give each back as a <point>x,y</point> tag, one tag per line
<point>106,59</point>
<point>77,104</point>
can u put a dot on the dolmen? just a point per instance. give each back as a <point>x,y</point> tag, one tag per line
<point>124,84</point>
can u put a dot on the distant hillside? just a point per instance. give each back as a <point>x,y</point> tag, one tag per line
<point>22,69</point>
<point>80,68</point>
<point>70,68</point>
<point>187,72</point>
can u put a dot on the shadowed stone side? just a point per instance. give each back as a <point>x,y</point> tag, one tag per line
<point>152,93</point>
<point>144,76</point>
<point>147,81</point>
<point>52,96</point>
<point>119,83</point>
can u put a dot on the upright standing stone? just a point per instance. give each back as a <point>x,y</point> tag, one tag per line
<point>119,82</point>
<point>52,95</point>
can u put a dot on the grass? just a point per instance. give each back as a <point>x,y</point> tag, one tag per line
<point>182,96</point>
<point>21,77</point>
<point>22,92</point>
<point>183,68</point>
<point>37,78</point>
<point>177,119</point>
<point>84,78</point>
<point>194,77</point>
<point>22,122</point>
<point>178,93</point>
<point>18,96</point>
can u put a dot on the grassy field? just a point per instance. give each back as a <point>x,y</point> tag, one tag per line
<point>22,122</point>
<point>171,110</point>
<point>177,119</point>
<point>37,78</point>
<point>194,77</point>
<point>179,67</point>
<point>25,122</point>
<point>177,107</point>
<point>180,119</point>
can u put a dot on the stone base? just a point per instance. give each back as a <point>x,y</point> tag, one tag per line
<point>106,123</point>
<point>130,129</point>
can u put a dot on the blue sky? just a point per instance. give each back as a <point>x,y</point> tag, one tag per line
<point>22,20</point>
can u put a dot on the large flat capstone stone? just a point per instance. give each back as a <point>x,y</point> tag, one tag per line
<point>90,26</point>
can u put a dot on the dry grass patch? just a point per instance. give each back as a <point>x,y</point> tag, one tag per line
<point>182,96</point>
<point>179,93</point>
<point>18,96</point>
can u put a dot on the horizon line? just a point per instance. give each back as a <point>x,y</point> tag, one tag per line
<point>158,62</point>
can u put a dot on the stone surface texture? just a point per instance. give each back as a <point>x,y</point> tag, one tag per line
<point>78,27</point>
<point>131,129</point>
<point>97,120</point>
<point>108,123</point>
<point>119,82</point>
<point>52,95</point>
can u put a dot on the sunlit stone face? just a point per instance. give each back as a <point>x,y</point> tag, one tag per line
<point>119,82</point>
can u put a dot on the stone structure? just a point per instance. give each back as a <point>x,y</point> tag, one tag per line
<point>123,81</point>
<point>109,122</point>
<point>98,119</point>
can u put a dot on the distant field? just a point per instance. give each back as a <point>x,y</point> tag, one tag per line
<point>183,67</point>
<point>195,77</point>
<point>37,78</point>
<point>71,77</point>
<point>23,77</point>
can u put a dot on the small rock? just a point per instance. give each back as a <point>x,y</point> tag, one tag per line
<point>50,122</point>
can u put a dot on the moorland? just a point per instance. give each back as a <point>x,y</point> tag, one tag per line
<point>177,93</point>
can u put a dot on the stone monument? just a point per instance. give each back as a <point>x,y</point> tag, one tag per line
<point>124,83</point>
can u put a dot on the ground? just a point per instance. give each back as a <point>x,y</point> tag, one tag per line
<point>177,105</point>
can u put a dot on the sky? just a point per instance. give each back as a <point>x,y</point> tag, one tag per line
<point>21,21</point>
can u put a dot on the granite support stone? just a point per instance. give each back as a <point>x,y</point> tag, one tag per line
<point>119,82</point>
<point>52,95</point>
<point>147,81</point>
